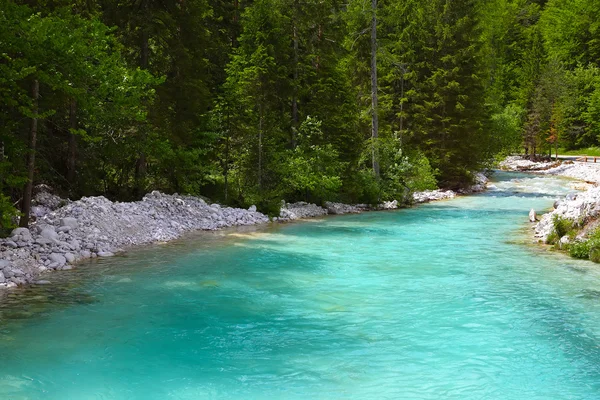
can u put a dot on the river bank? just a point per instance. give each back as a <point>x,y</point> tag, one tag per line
<point>66,232</point>
<point>577,213</point>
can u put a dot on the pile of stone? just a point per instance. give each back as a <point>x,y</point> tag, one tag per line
<point>480,185</point>
<point>96,227</point>
<point>577,207</point>
<point>519,163</point>
<point>588,172</point>
<point>433,195</point>
<point>341,208</point>
<point>300,210</point>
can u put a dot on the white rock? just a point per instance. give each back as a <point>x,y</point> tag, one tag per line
<point>564,241</point>
<point>341,208</point>
<point>433,195</point>
<point>532,215</point>
<point>299,210</point>
<point>49,233</point>
<point>389,205</point>
<point>23,232</point>
<point>58,258</point>
<point>70,257</point>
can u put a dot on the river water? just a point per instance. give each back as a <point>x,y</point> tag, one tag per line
<point>444,301</point>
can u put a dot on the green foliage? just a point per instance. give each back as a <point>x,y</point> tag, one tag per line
<point>552,238</point>
<point>595,254</point>
<point>7,215</point>
<point>312,169</point>
<point>252,102</point>
<point>562,226</point>
<point>580,249</point>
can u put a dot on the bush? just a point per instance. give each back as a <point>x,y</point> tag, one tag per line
<point>580,250</point>
<point>595,254</point>
<point>401,173</point>
<point>312,168</point>
<point>552,238</point>
<point>7,215</point>
<point>562,226</point>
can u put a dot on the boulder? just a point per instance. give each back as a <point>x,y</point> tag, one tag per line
<point>389,205</point>
<point>341,208</point>
<point>70,257</point>
<point>22,232</point>
<point>564,242</point>
<point>18,280</point>
<point>2,278</point>
<point>49,233</point>
<point>70,222</point>
<point>58,258</point>
<point>105,254</point>
<point>252,208</point>
<point>532,215</point>
<point>4,264</point>
<point>14,272</point>
<point>43,241</point>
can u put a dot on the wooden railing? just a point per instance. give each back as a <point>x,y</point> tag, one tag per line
<point>585,159</point>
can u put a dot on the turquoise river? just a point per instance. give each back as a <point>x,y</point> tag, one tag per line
<point>450,300</point>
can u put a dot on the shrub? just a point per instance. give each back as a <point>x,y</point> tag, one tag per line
<point>580,250</point>
<point>562,226</point>
<point>595,254</point>
<point>552,238</point>
<point>7,215</point>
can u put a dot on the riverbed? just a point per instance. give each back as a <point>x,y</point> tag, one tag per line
<point>449,300</point>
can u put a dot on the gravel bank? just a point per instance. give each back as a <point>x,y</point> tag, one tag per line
<point>66,232</point>
<point>580,207</point>
<point>97,227</point>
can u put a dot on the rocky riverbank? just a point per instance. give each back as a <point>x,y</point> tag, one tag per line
<point>580,208</point>
<point>301,210</point>
<point>97,227</point>
<point>587,172</point>
<point>67,232</point>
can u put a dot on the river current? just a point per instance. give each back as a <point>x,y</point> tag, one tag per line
<point>449,300</point>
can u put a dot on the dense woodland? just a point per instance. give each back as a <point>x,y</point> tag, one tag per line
<point>254,101</point>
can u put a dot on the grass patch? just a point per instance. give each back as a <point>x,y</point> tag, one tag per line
<point>588,151</point>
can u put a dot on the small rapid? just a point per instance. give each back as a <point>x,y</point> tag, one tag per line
<point>449,300</point>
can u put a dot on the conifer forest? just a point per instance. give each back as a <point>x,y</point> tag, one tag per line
<point>254,101</point>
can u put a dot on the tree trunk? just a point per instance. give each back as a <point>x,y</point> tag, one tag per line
<point>295,95</point>
<point>260,137</point>
<point>402,105</point>
<point>374,116</point>
<point>72,143</point>
<point>140,164</point>
<point>226,166</point>
<point>27,192</point>
<point>144,50</point>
